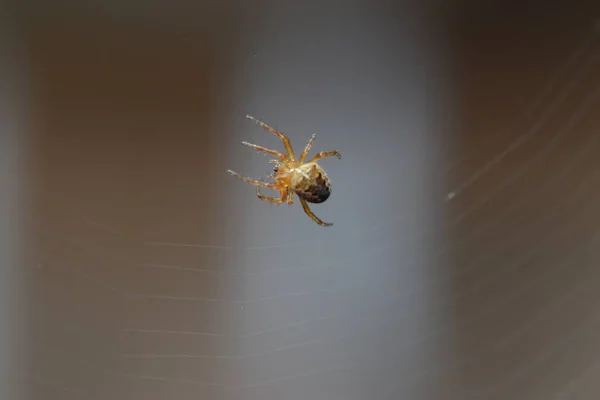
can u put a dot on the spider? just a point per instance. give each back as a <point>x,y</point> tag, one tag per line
<point>307,179</point>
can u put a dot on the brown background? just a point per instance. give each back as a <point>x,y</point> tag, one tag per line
<point>149,273</point>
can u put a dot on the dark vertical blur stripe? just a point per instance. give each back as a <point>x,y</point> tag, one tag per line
<point>13,243</point>
<point>133,150</point>
<point>525,227</point>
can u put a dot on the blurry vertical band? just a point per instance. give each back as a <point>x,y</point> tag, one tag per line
<point>12,97</point>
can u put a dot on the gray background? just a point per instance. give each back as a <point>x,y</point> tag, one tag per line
<point>463,259</point>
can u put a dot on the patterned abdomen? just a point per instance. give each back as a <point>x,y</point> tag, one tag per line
<point>312,184</point>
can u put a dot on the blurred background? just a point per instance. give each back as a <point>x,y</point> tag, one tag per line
<point>463,260</point>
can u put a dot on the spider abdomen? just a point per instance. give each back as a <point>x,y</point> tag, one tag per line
<point>310,182</point>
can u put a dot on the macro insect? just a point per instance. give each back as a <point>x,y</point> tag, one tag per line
<point>293,175</point>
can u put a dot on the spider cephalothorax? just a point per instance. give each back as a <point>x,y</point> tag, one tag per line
<point>308,180</point>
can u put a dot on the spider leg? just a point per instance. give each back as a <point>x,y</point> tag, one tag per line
<point>290,196</point>
<point>324,154</point>
<point>254,182</point>
<point>307,148</point>
<point>312,215</point>
<point>282,136</point>
<point>265,150</point>
<point>282,199</point>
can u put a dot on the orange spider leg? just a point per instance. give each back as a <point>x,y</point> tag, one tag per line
<point>324,154</point>
<point>265,150</point>
<point>254,182</point>
<point>307,149</point>
<point>311,214</point>
<point>282,136</point>
<point>283,193</point>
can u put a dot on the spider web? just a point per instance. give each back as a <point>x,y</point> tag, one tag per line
<point>160,277</point>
